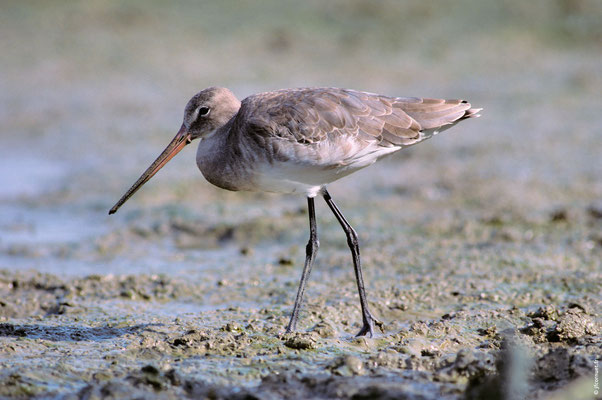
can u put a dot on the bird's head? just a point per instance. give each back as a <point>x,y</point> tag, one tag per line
<point>206,112</point>
<point>209,110</point>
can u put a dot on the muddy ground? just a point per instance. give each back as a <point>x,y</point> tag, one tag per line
<point>482,248</point>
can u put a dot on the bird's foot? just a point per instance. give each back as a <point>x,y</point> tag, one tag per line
<point>292,325</point>
<point>368,327</point>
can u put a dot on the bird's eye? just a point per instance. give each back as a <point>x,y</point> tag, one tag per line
<point>203,111</point>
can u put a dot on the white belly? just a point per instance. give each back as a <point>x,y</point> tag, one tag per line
<point>301,169</point>
<point>307,177</point>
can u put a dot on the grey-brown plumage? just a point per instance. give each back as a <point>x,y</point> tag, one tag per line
<point>300,140</point>
<point>312,115</point>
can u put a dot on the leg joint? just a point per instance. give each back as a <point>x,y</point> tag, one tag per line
<point>312,245</point>
<point>352,238</point>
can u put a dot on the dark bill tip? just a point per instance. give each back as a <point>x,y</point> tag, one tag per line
<point>173,148</point>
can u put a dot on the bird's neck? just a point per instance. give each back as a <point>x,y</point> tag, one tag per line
<point>212,147</point>
<point>220,161</point>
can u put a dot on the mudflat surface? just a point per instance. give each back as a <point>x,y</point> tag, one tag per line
<point>482,248</point>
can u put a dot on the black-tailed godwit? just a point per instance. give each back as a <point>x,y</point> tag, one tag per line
<point>300,140</point>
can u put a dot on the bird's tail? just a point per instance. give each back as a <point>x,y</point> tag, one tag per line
<point>442,116</point>
<point>471,113</point>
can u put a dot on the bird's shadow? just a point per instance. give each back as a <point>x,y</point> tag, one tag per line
<point>72,333</point>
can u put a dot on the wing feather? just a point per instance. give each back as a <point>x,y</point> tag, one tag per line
<point>347,120</point>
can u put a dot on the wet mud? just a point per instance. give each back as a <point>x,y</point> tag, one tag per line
<point>449,333</point>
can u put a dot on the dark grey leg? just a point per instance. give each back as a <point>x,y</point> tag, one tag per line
<point>368,319</point>
<point>310,254</point>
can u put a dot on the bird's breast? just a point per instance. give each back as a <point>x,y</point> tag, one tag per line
<point>219,166</point>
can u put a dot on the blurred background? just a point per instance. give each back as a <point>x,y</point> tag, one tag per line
<point>91,92</point>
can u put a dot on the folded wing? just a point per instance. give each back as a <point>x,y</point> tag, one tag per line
<point>339,126</point>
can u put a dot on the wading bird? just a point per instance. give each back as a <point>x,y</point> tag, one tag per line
<point>300,140</point>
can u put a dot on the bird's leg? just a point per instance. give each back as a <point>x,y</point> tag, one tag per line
<point>368,319</point>
<point>310,254</point>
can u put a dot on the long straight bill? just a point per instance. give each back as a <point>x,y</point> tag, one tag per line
<point>173,148</point>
